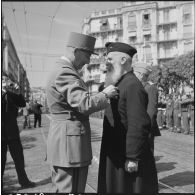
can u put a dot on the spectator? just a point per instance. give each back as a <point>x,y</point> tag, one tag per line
<point>10,136</point>
<point>37,113</point>
<point>26,114</point>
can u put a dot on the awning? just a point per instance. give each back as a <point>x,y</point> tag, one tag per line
<point>104,21</point>
<point>146,32</point>
<point>132,34</point>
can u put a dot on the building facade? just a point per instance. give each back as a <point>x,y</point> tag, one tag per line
<point>11,64</point>
<point>159,30</point>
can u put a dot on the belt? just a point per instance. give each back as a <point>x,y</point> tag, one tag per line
<point>68,115</point>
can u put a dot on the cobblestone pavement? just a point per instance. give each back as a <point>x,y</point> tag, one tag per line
<point>174,154</point>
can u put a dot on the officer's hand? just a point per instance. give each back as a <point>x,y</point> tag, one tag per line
<point>131,166</point>
<point>111,91</point>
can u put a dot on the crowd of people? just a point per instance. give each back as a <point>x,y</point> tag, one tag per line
<point>176,109</point>
<point>135,111</point>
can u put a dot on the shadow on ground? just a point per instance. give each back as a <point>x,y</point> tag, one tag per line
<point>165,166</point>
<point>179,179</point>
<point>157,158</point>
<point>9,165</point>
<point>10,183</point>
<point>44,181</point>
<point>27,142</point>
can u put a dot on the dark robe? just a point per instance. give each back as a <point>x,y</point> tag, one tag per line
<point>126,129</point>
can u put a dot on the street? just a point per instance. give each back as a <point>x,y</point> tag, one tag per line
<point>174,154</point>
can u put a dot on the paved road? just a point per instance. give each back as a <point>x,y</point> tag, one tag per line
<point>174,155</point>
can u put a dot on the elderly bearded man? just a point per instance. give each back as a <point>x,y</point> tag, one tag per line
<point>127,163</point>
<point>69,151</point>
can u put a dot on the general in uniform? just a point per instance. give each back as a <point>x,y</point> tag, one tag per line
<point>69,151</point>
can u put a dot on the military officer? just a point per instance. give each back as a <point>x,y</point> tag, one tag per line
<point>169,112</point>
<point>177,113</point>
<point>142,72</point>
<point>69,151</point>
<point>127,163</point>
<point>185,113</point>
<point>191,108</point>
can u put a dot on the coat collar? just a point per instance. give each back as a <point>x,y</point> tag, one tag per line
<point>123,76</point>
<point>65,61</point>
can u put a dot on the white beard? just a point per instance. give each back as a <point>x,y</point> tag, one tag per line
<point>113,75</point>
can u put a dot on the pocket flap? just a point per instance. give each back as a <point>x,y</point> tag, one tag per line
<point>74,128</point>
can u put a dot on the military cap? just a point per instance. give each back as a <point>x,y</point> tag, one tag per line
<point>142,67</point>
<point>82,41</point>
<point>120,47</point>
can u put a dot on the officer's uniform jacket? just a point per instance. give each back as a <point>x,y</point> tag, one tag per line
<point>170,106</point>
<point>177,106</point>
<point>69,139</point>
<point>152,108</point>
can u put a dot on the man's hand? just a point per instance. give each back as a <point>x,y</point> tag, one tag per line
<point>131,166</point>
<point>111,91</point>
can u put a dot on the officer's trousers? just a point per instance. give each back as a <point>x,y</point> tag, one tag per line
<point>192,118</point>
<point>160,118</point>
<point>69,179</point>
<point>177,119</point>
<point>169,119</point>
<point>186,122</point>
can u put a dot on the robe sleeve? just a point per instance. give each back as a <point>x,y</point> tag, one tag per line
<point>138,122</point>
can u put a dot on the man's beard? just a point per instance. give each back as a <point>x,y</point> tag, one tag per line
<point>113,75</point>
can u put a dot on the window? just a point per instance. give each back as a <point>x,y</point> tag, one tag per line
<point>187,31</point>
<point>132,39</point>
<point>119,22</point>
<point>103,12</point>
<point>188,46</point>
<point>166,16</point>
<point>147,38</point>
<point>131,21</point>
<point>111,11</point>
<point>147,53</point>
<point>146,20</point>
<point>187,18</point>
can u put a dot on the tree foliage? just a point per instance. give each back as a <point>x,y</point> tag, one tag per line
<point>174,71</point>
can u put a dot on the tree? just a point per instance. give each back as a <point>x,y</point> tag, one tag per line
<point>174,71</point>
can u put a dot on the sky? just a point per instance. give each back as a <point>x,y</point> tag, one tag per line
<point>34,32</point>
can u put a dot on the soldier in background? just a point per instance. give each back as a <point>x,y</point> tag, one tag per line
<point>177,114</point>
<point>191,109</point>
<point>186,113</point>
<point>169,112</point>
<point>37,113</point>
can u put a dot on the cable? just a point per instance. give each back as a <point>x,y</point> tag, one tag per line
<point>17,26</point>
<point>27,33</point>
<point>50,31</point>
<point>30,13</point>
<point>39,54</point>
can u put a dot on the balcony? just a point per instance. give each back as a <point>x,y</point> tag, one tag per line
<point>105,30</point>
<point>165,23</point>
<point>166,40</point>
